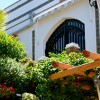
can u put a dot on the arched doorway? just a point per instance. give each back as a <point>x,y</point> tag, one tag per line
<point>71,30</point>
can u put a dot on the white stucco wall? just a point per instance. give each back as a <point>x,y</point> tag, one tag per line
<point>80,11</point>
<point>45,27</point>
<point>21,15</point>
<point>25,37</point>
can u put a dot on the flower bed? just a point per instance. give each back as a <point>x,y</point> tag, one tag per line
<point>6,91</point>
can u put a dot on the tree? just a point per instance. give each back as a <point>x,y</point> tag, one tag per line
<point>2,20</point>
<point>9,45</point>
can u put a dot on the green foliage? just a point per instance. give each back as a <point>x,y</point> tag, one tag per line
<point>72,58</point>
<point>97,70</point>
<point>55,90</point>
<point>2,20</point>
<point>61,89</point>
<point>28,61</point>
<point>13,74</point>
<point>28,76</point>
<point>29,96</point>
<point>77,59</point>
<point>11,47</point>
<point>25,59</point>
<point>46,67</point>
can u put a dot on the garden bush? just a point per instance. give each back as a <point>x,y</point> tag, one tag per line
<point>55,90</point>
<point>2,20</point>
<point>64,88</point>
<point>13,74</point>
<point>28,61</point>
<point>6,91</point>
<point>11,47</point>
<point>32,77</point>
<point>13,70</point>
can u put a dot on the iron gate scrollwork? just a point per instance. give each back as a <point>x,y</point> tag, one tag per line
<point>71,30</point>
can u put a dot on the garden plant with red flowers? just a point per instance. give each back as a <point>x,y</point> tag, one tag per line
<point>6,91</point>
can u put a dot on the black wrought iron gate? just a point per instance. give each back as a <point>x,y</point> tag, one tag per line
<point>71,30</point>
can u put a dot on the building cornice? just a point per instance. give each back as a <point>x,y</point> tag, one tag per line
<point>53,9</point>
<point>12,4</point>
<point>43,14</point>
<point>28,12</point>
<point>19,6</point>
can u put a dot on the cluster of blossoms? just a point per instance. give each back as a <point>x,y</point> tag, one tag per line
<point>29,96</point>
<point>6,90</point>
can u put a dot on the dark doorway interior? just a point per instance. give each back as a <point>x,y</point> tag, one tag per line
<point>71,30</point>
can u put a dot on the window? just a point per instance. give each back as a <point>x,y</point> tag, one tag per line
<point>71,30</point>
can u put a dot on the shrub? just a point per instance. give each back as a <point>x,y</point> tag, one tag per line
<point>11,47</point>
<point>13,74</point>
<point>28,61</point>
<point>55,90</point>
<point>64,88</point>
<point>29,96</point>
<point>6,91</point>
<point>44,67</point>
<point>2,19</point>
<point>72,58</point>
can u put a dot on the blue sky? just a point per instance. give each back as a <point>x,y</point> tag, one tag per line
<point>6,3</point>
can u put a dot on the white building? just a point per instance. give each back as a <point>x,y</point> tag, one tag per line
<point>48,25</point>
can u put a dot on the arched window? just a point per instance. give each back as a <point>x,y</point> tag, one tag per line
<point>71,30</point>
